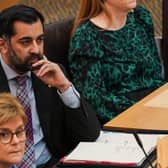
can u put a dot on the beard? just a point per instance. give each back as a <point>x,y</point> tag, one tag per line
<point>19,65</point>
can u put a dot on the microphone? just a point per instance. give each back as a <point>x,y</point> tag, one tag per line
<point>139,142</point>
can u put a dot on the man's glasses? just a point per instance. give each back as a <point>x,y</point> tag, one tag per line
<point>6,136</point>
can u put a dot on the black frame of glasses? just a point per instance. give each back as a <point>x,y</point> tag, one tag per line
<point>12,134</point>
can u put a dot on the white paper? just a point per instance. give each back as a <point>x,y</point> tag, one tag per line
<point>113,147</point>
<point>108,152</point>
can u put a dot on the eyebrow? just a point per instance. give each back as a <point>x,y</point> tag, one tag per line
<point>7,129</point>
<point>29,38</point>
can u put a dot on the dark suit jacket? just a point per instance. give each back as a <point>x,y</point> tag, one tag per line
<point>63,127</point>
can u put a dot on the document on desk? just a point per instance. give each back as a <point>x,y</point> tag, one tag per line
<point>160,100</point>
<point>113,148</point>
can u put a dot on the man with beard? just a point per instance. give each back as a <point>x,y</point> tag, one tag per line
<point>60,116</point>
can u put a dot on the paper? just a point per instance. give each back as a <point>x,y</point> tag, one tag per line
<point>114,148</point>
<point>105,153</point>
<point>160,101</point>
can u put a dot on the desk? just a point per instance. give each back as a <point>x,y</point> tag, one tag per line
<point>141,118</point>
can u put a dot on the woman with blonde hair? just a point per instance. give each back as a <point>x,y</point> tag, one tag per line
<point>12,131</point>
<point>113,56</point>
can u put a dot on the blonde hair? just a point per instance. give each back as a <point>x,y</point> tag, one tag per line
<point>10,108</point>
<point>87,10</point>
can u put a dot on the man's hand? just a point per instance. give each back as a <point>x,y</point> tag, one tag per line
<point>51,74</point>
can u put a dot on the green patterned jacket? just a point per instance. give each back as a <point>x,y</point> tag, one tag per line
<point>114,69</point>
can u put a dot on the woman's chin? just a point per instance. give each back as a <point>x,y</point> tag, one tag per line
<point>16,157</point>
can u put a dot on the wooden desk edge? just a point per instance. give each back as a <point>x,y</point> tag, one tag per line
<point>109,126</point>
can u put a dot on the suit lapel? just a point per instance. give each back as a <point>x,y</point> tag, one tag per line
<point>42,94</point>
<point>4,87</point>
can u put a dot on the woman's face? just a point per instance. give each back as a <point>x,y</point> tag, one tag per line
<point>123,5</point>
<point>12,152</point>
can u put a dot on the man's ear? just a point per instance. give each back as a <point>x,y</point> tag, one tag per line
<point>3,46</point>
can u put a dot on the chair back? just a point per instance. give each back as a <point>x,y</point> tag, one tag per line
<point>56,42</point>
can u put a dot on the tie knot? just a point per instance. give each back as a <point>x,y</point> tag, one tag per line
<point>21,80</point>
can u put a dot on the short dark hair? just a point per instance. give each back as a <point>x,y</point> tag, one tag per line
<point>15,13</point>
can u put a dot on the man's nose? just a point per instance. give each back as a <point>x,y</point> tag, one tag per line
<point>35,48</point>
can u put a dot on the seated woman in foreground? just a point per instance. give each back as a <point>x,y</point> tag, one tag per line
<point>113,56</point>
<point>12,131</point>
